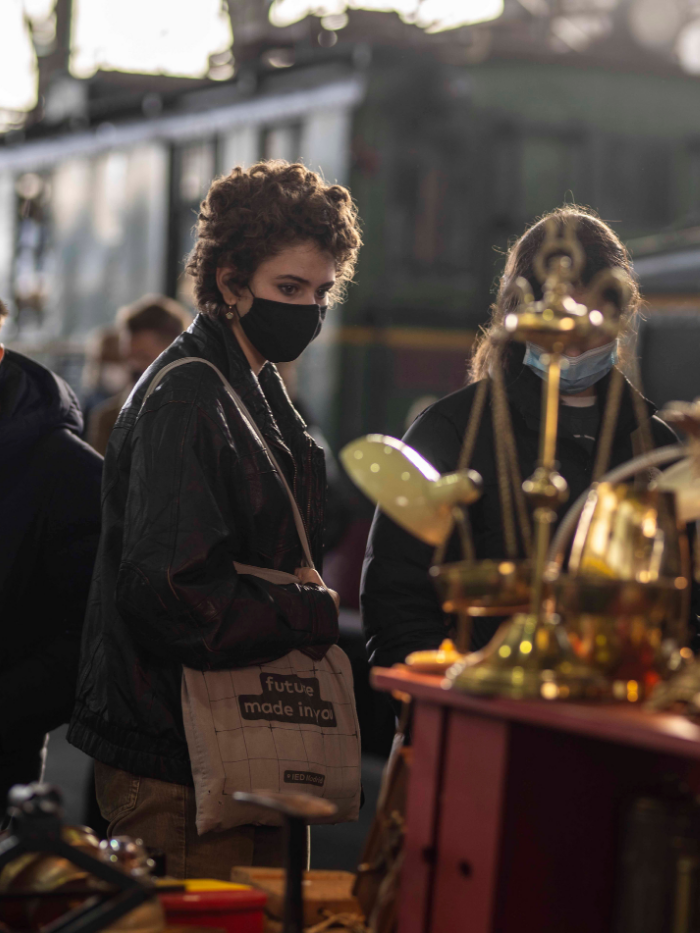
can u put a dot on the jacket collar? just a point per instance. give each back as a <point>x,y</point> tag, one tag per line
<point>265,396</point>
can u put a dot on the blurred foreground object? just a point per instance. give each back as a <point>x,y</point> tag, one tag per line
<point>683,479</point>
<point>201,903</point>
<point>47,870</point>
<point>298,810</point>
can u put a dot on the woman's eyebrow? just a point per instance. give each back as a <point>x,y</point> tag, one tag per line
<point>301,281</point>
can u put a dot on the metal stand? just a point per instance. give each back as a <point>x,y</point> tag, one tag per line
<point>297,809</point>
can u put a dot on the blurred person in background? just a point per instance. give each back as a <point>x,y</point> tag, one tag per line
<point>50,508</point>
<point>105,373</point>
<point>189,490</point>
<point>401,611</point>
<point>146,328</point>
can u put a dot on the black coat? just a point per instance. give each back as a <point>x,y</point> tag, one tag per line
<point>188,489</point>
<point>400,608</point>
<point>50,523</point>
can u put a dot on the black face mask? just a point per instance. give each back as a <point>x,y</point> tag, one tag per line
<point>281,331</point>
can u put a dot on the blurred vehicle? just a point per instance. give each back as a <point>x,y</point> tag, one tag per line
<point>449,142</point>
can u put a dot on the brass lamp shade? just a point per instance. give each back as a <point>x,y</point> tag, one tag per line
<point>627,585</point>
<point>408,488</point>
<point>627,534</point>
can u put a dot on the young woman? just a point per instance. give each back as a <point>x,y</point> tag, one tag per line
<point>400,607</point>
<point>189,489</point>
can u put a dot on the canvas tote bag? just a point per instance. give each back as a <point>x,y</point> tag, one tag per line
<point>286,726</point>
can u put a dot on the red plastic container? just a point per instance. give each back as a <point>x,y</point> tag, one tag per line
<point>236,911</point>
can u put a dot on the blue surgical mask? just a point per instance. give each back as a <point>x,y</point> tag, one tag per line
<point>578,372</point>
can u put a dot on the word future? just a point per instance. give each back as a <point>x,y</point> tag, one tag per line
<point>288,698</point>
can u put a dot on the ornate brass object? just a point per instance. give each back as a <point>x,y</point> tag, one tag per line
<point>532,655</point>
<point>407,487</point>
<point>626,586</point>
<point>44,873</point>
<point>484,587</point>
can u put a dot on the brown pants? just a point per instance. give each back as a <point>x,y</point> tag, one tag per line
<point>163,815</point>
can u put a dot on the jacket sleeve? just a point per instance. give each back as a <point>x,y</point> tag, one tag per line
<point>401,612</point>
<point>177,589</point>
<point>37,694</point>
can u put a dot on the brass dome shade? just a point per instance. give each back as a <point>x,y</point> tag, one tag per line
<point>627,585</point>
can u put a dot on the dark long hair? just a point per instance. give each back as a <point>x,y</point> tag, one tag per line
<point>603,249</point>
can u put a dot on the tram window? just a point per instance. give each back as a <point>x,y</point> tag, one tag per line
<point>549,171</point>
<point>196,171</point>
<point>692,192</point>
<point>194,167</point>
<point>428,228</point>
<point>282,142</point>
<point>32,249</point>
<point>636,183</point>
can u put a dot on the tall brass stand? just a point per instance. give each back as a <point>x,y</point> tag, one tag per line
<point>531,655</point>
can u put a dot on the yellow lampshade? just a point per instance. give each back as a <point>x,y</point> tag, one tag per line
<point>408,488</point>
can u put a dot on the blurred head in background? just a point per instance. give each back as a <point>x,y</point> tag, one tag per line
<point>104,373</point>
<point>148,327</point>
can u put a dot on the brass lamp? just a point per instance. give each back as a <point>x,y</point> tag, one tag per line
<point>412,492</point>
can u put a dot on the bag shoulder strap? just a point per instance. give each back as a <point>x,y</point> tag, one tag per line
<point>238,402</point>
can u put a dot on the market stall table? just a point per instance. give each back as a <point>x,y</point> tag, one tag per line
<point>514,806</point>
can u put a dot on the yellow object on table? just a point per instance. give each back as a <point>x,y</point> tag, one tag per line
<point>197,885</point>
<point>434,662</point>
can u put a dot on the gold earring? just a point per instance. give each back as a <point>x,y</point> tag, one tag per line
<point>229,313</point>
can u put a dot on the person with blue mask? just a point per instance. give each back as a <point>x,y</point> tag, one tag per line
<point>401,611</point>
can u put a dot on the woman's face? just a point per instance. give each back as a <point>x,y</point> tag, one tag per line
<point>301,274</point>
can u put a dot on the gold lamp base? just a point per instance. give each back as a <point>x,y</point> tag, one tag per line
<point>528,658</point>
<point>484,587</point>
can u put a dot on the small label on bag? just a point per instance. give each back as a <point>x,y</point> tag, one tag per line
<point>288,698</point>
<point>304,777</point>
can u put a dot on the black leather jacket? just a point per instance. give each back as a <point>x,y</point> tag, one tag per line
<point>401,612</point>
<point>188,488</point>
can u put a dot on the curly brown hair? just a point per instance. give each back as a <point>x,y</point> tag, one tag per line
<point>603,249</point>
<point>251,214</point>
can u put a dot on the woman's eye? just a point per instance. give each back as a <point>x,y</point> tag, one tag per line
<point>288,290</point>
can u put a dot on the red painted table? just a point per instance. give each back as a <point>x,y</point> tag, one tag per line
<point>514,806</point>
